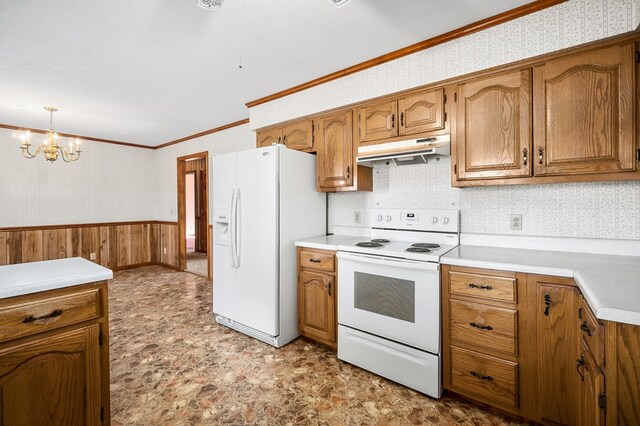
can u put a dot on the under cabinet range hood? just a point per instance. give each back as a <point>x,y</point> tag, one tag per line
<point>413,151</point>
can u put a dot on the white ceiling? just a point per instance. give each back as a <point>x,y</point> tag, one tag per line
<point>152,71</point>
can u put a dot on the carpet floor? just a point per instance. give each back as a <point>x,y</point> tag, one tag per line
<point>171,364</point>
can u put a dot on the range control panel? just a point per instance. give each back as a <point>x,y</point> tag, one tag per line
<point>417,220</point>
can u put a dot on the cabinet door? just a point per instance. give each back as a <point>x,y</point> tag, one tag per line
<point>558,349</point>
<point>336,162</point>
<point>298,135</point>
<point>583,113</point>
<point>53,380</point>
<point>268,137</point>
<point>378,121</point>
<point>421,112</point>
<point>592,389</point>
<point>316,306</point>
<point>493,134</point>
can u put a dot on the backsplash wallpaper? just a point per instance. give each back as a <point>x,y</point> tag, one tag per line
<point>589,210</point>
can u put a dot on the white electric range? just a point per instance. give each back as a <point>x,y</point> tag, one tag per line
<point>389,296</point>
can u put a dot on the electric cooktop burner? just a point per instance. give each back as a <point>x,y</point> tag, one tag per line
<point>368,244</point>
<point>418,250</point>
<point>426,245</point>
<point>380,240</point>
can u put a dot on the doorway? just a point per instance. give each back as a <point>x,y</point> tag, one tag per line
<point>193,214</point>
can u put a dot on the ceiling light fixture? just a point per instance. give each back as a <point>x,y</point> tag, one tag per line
<point>210,4</point>
<point>50,145</point>
<point>338,2</point>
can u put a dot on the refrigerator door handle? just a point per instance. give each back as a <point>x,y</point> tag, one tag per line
<point>232,229</point>
<point>237,228</point>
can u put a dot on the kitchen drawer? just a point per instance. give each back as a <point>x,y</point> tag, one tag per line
<point>318,260</point>
<point>483,327</point>
<point>484,378</point>
<point>490,287</point>
<point>38,313</point>
<point>592,333</point>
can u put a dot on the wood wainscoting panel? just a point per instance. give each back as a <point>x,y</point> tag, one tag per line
<point>3,248</point>
<point>113,245</point>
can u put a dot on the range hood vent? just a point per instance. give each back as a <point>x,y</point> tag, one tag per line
<point>414,151</point>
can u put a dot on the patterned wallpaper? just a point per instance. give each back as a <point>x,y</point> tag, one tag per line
<point>591,210</point>
<point>595,210</point>
<point>109,183</point>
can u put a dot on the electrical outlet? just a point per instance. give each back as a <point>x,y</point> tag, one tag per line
<point>165,250</point>
<point>357,217</point>
<point>516,222</point>
<point>92,256</point>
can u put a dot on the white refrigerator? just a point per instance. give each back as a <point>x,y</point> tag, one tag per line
<point>263,201</point>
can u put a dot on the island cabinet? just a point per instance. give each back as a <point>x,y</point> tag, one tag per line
<point>298,135</point>
<point>415,113</point>
<point>530,345</point>
<point>317,290</point>
<point>569,117</point>
<point>54,358</point>
<point>337,168</point>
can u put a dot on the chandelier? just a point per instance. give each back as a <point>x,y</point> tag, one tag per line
<point>50,145</point>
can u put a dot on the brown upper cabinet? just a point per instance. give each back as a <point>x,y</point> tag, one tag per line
<point>298,135</point>
<point>493,126</point>
<point>569,118</point>
<point>583,113</point>
<point>415,113</point>
<point>336,159</point>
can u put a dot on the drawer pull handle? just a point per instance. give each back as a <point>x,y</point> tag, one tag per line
<point>481,376</point>
<point>480,326</point>
<point>31,318</point>
<point>585,327</point>
<point>579,365</point>
<point>481,287</point>
<point>315,260</point>
<point>547,304</point>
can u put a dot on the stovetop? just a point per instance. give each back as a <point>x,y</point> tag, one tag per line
<point>422,235</point>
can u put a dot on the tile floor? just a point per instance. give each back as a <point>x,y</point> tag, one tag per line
<point>171,364</point>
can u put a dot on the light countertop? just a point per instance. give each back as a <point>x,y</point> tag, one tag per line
<point>33,277</point>
<point>330,242</point>
<point>610,284</point>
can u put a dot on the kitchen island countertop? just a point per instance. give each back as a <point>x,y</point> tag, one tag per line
<point>610,284</point>
<point>34,277</point>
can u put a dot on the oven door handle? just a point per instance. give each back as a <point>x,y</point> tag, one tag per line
<point>388,261</point>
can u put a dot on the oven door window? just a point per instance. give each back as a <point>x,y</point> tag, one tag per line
<point>391,297</point>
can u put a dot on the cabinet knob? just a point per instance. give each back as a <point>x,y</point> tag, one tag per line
<point>579,365</point>
<point>585,327</point>
<point>329,288</point>
<point>480,287</point>
<point>393,121</point>
<point>525,155</point>
<point>31,318</point>
<point>481,376</point>
<point>480,326</point>
<point>540,154</point>
<point>402,119</point>
<point>314,260</point>
<point>547,304</point>
<point>348,172</point>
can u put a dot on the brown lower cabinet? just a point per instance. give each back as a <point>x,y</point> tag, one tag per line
<point>54,357</point>
<point>530,345</point>
<point>317,288</point>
